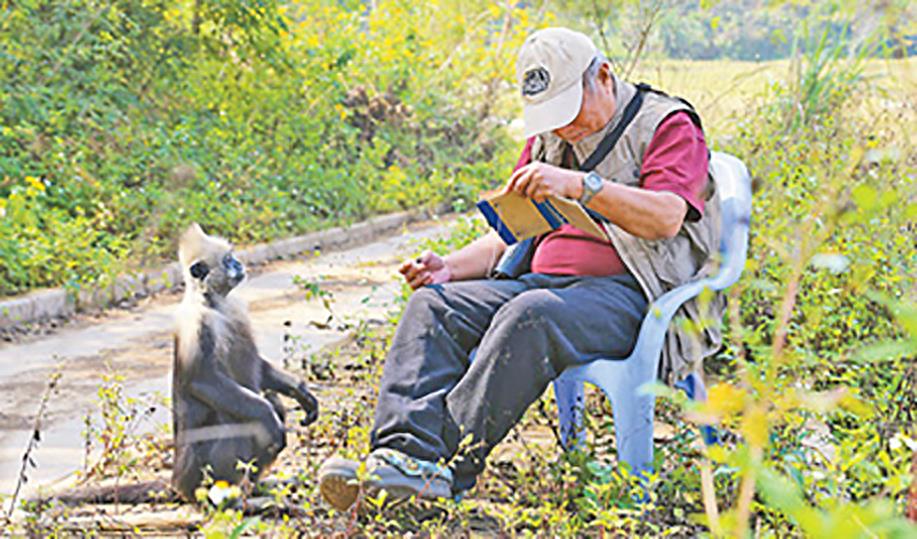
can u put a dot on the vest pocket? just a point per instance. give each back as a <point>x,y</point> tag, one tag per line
<point>672,260</point>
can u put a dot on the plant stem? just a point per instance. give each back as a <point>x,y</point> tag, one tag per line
<point>35,438</point>
<point>709,494</point>
<point>747,490</point>
<point>912,495</point>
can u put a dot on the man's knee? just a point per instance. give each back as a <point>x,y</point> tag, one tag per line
<point>529,310</point>
<point>424,300</point>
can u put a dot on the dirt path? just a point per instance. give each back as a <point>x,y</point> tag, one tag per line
<point>136,344</point>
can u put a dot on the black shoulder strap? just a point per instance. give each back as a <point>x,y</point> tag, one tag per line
<point>691,112</point>
<point>609,141</point>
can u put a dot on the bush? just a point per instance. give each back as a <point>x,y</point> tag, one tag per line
<point>258,119</point>
<point>819,377</point>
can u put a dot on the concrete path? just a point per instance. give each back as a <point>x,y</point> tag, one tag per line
<point>137,345</point>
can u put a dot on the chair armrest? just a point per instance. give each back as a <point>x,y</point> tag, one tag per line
<point>734,251</point>
<point>733,183</point>
<point>656,322</point>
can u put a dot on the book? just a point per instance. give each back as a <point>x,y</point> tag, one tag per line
<point>515,217</point>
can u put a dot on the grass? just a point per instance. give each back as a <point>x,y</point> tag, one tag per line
<point>528,468</point>
<point>722,89</point>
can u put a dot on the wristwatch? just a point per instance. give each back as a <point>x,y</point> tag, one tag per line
<point>592,184</point>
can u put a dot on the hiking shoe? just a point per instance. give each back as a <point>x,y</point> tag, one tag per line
<point>400,475</point>
<point>403,476</point>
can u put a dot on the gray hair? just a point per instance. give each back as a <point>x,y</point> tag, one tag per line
<point>592,72</point>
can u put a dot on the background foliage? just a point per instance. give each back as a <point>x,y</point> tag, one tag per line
<point>125,120</point>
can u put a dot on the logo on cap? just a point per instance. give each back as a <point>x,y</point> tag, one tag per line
<point>535,81</point>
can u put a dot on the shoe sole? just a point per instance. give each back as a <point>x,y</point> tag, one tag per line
<point>337,482</point>
<point>340,488</point>
<point>400,487</point>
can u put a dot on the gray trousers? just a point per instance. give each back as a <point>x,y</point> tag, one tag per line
<point>525,331</point>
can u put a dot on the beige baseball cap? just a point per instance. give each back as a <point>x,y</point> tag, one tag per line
<point>550,71</point>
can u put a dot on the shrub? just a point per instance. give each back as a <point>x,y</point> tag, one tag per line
<point>258,119</point>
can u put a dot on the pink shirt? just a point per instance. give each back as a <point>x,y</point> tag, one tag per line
<point>675,161</point>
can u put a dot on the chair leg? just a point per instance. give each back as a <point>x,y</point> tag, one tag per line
<point>633,415</point>
<point>570,403</point>
<point>694,388</point>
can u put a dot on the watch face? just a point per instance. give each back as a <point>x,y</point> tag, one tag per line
<point>593,181</point>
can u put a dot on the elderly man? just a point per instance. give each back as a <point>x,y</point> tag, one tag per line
<point>637,160</point>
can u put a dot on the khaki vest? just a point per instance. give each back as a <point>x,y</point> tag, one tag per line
<point>658,265</point>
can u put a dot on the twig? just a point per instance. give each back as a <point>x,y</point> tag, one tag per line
<point>747,489</point>
<point>645,30</point>
<point>35,439</point>
<point>479,19</point>
<point>709,495</point>
<point>494,81</point>
<point>912,495</point>
<point>787,306</point>
<point>599,21</point>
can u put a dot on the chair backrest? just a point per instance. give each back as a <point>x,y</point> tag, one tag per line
<point>734,187</point>
<point>733,183</point>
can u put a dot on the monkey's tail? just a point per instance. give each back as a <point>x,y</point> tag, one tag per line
<point>155,491</point>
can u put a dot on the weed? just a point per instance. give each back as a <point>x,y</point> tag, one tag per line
<point>35,439</point>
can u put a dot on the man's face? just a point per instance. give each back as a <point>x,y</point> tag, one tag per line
<point>595,112</point>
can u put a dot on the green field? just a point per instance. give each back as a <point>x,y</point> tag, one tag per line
<point>725,90</point>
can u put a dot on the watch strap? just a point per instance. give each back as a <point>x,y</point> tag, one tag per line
<point>590,191</point>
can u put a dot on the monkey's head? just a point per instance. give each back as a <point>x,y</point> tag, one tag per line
<point>207,262</point>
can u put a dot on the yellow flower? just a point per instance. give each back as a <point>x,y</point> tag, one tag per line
<point>35,183</point>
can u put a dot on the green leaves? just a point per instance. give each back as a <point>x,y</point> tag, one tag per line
<point>261,119</point>
<point>865,196</point>
<point>905,314</point>
<point>840,520</point>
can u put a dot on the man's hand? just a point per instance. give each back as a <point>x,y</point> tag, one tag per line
<point>428,268</point>
<point>541,180</point>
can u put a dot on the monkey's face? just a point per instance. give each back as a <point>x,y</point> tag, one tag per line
<point>208,263</point>
<point>217,276</point>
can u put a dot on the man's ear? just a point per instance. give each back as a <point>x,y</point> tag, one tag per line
<point>604,76</point>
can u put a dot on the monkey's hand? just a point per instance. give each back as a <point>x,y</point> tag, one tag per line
<point>308,402</point>
<point>282,382</point>
<point>276,431</point>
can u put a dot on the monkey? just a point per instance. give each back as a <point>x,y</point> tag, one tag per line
<point>224,394</point>
<point>226,413</point>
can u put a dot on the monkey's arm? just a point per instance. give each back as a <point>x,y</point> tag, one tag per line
<point>223,394</point>
<point>276,380</point>
<point>205,380</point>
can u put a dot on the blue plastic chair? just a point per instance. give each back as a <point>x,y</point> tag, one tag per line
<point>625,381</point>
